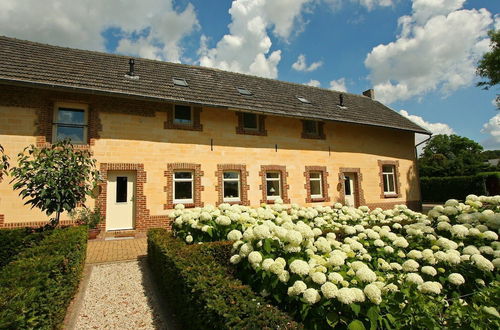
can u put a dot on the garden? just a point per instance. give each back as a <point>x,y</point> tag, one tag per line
<point>338,267</point>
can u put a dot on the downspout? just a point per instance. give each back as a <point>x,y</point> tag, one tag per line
<point>417,171</point>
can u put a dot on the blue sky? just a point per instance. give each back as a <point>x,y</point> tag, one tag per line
<point>419,55</point>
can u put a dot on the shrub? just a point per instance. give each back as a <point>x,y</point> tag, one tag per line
<point>440,189</point>
<point>36,288</point>
<point>14,241</point>
<point>205,294</point>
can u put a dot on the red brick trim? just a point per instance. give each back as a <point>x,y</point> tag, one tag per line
<point>33,224</point>
<point>319,136</point>
<point>324,183</point>
<point>198,188</point>
<point>284,185</point>
<point>243,182</point>
<point>261,131</point>
<point>358,189</point>
<point>397,181</point>
<point>414,205</point>
<point>197,126</point>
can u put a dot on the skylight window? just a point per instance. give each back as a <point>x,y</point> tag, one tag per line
<point>180,82</point>
<point>303,99</point>
<point>244,91</point>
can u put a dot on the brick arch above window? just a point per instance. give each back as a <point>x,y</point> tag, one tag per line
<point>169,188</point>
<point>244,187</point>
<point>324,183</point>
<point>397,178</point>
<point>284,186</point>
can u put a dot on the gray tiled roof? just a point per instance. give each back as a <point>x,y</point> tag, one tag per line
<point>59,67</point>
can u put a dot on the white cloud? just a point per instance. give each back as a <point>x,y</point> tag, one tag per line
<point>301,64</point>
<point>80,24</point>
<point>434,128</point>
<point>437,49</point>
<point>368,4</point>
<point>492,128</point>
<point>247,47</point>
<point>314,83</point>
<point>338,85</point>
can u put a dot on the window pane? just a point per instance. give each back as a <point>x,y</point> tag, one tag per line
<point>231,175</point>
<point>121,189</point>
<point>315,187</point>
<point>272,175</point>
<point>183,190</point>
<point>347,185</point>
<point>75,134</point>
<point>182,114</point>
<point>273,188</point>
<point>71,116</point>
<point>231,189</point>
<point>315,175</point>
<point>183,175</point>
<point>311,126</point>
<point>387,168</point>
<point>250,120</point>
<point>390,178</point>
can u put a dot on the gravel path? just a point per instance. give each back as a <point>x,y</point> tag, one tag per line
<point>119,296</point>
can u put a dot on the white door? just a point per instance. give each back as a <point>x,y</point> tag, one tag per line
<point>349,190</point>
<point>120,206</point>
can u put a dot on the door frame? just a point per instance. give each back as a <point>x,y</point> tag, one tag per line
<point>133,215</point>
<point>141,212</point>
<point>359,197</point>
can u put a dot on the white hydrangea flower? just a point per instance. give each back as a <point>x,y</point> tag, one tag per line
<point>284,276</point>
<point>459,231</point>
<point>267,263</point>
<point>365,274</point>
<point>318,277</point>
<point>470,250</point>
<point>245,249</point>
<point>189,238</point>
<point>429,270</point>
<point>400,242</point>
<point>235,259</point>
<point>335,277</point>
<point>311,295</point>
<point>482,263</point>
<point>430,287</point>
<point>414,278</point>
<point>179,206</point>
<point>456,279</point>
<point>234,235</point>
<point>223,220</point>
<point>297,288</point>
<point>373,293</point>
<point>299,267</point>
<point>346,296</point>
<point>329,290</point>
<point>490,235</point>
<point>255,257</point>
<point>396,266</point>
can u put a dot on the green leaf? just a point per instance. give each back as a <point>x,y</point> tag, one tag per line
<point>373,315</point>
<point>355,308</point>
<point>332,319</point>
<point>356,325</point>
<point>267,246</point>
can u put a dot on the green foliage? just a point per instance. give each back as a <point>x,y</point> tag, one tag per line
<point>451,155</point>
<point>36,288</point>
<point>4,163</point>
<point>15,241</point>
<point>491,154</point>
<point>55,179</point>
<point>87,217</point>
<point>489,65</point>
<point>440,189</point>
<point>206,295</point>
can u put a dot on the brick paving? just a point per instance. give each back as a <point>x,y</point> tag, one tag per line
<point>99,251</point>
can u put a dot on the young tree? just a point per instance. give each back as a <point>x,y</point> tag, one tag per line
<point>451,155</point>
<point>55,179</point>
<point>4,163</point>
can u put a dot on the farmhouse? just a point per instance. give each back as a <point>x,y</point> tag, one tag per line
<point>166,134</point>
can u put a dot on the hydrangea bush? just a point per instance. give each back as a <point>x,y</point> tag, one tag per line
<point>356,267</point>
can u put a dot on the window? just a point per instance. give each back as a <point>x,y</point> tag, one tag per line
<point>273,185</point>
<point>250,121</point>
<point>303,99</point>
<point>180,82</point>
<point>231,186</point>
<point>311,127</point>
<point>183,187</point>
<point>316,184</point>
<point>388,178</point>
<point>183,115</point>
<point>70,123</point>
<point>244,91</point>
<point>121,189</point>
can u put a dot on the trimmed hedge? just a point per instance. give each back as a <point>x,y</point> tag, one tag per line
<point>440,189</point>
<point>36,288</point>
<point>205,293</point>
<point>14,241</point>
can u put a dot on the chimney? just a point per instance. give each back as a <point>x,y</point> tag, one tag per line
<point>131,63</point>
<point>341,100</point>
<point>370,93</point>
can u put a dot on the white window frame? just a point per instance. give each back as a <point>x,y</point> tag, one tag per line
<point>174,180</point>
<point>320,179</point>
<point>256,120</point>
<point>224,180</point>
<point>274,179</point>
<point>72,106</point>
<point>385,177</point>
<point>176,122</point>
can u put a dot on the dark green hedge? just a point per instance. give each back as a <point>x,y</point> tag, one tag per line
<point>205,294</point>
<point>14,241</point>
<point>36,287</point>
